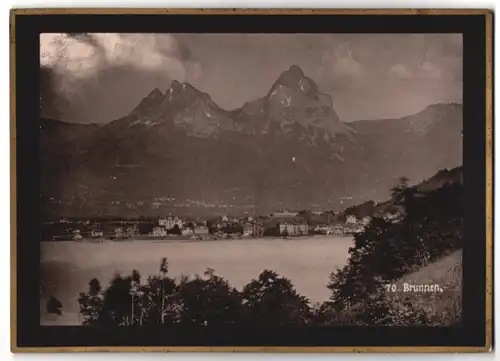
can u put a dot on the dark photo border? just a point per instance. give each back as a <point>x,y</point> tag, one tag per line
<point>475,332</point>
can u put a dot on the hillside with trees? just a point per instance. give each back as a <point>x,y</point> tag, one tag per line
<point>385,253</point>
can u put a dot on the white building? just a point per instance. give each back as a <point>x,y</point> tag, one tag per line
<point>77,236</point>
<point>159,232</point>
<point>366,220</point>
<point>351,219</point>
<point>170,222</point>
<point>95,233</point>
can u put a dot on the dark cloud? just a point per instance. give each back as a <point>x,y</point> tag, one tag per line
<point>368,75</point>
<point>51,100</point>
<point>101,77</point>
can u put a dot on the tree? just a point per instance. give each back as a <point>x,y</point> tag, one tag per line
<point>91,303</point>
<point>306,215</point>
<point>161,304</point>
<point>272,300</point>
<point>210,301</point>
<point>128,302</point>
<point>175,230</point>
<point>204,301</point>
<point>54,306</point>
<point>212,226</point>
<point>384,251</point>
<point>145,227</point>
<point>233,228</point>
<point>398,190</point>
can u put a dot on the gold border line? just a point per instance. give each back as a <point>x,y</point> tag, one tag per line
<point>489,183</point>
<point>158,11</point>
<point>264,349</point>
<point>13,185</point>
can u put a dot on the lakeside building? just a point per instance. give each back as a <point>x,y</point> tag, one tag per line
<point>170,222</point>
<point>159,232</point>
<point>247,229</point>
<point>119,232</point>
<point>257,229</point>
<point>291,226</point>
<point>96,233</point>
<point>200,230</point>
<point>351,219</point>
<point>77,236</point>
<point>293,229</point>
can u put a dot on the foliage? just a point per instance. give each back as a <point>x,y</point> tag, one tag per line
<point>385,251</point>
<point>54,306</point>
<point>366,209</point>
<point>145,227</point>
<point>430,227</point>
<point>233,228</point>
<point>272,300</point>
<point>202,301</point>
<point>209,301</point>
<point>212,226</point>
<point>175,230</point>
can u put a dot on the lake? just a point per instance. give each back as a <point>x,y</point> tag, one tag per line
<point>67,267</point>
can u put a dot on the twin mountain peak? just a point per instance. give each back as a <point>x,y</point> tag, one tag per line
<point>294,104</point>
<point>286,149</point>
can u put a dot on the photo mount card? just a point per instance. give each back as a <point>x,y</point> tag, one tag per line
<point>251,180</point>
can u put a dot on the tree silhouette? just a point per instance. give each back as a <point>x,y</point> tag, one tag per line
<point>272,300</point>
<point>385,251</point>
<point>175,230</point>
<point>398,190</point>
<point>145,227</point>
<point>54,306</point>
<point>209,302</point>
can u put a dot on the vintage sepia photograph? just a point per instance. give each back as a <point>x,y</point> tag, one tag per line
<point>266,180</point>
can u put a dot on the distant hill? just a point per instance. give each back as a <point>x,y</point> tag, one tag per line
<point>179,152</point>
<point>441,178</point>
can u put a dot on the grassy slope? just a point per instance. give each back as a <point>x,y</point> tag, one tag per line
<point>443,308</point>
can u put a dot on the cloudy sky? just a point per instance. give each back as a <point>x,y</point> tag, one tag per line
<point>100,77</point>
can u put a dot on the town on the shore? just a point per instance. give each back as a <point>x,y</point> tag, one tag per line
<point>278,224</point>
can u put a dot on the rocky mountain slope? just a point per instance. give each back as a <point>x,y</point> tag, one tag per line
<point>180,152</point>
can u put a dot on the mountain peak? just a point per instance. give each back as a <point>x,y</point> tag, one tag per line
<point>149,103</point>
<point>184,91</point>
<point>295,71</point>
<point>294,80</point>
<point>155,93</point>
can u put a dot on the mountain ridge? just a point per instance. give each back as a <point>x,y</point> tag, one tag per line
<point>268,154</point>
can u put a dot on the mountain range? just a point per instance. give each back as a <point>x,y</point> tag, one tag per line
<point>179,152</point>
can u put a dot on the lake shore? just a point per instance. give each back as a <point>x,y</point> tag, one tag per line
<point>205,238</point>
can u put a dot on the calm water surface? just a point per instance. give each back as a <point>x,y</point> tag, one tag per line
<point>67,267</point>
